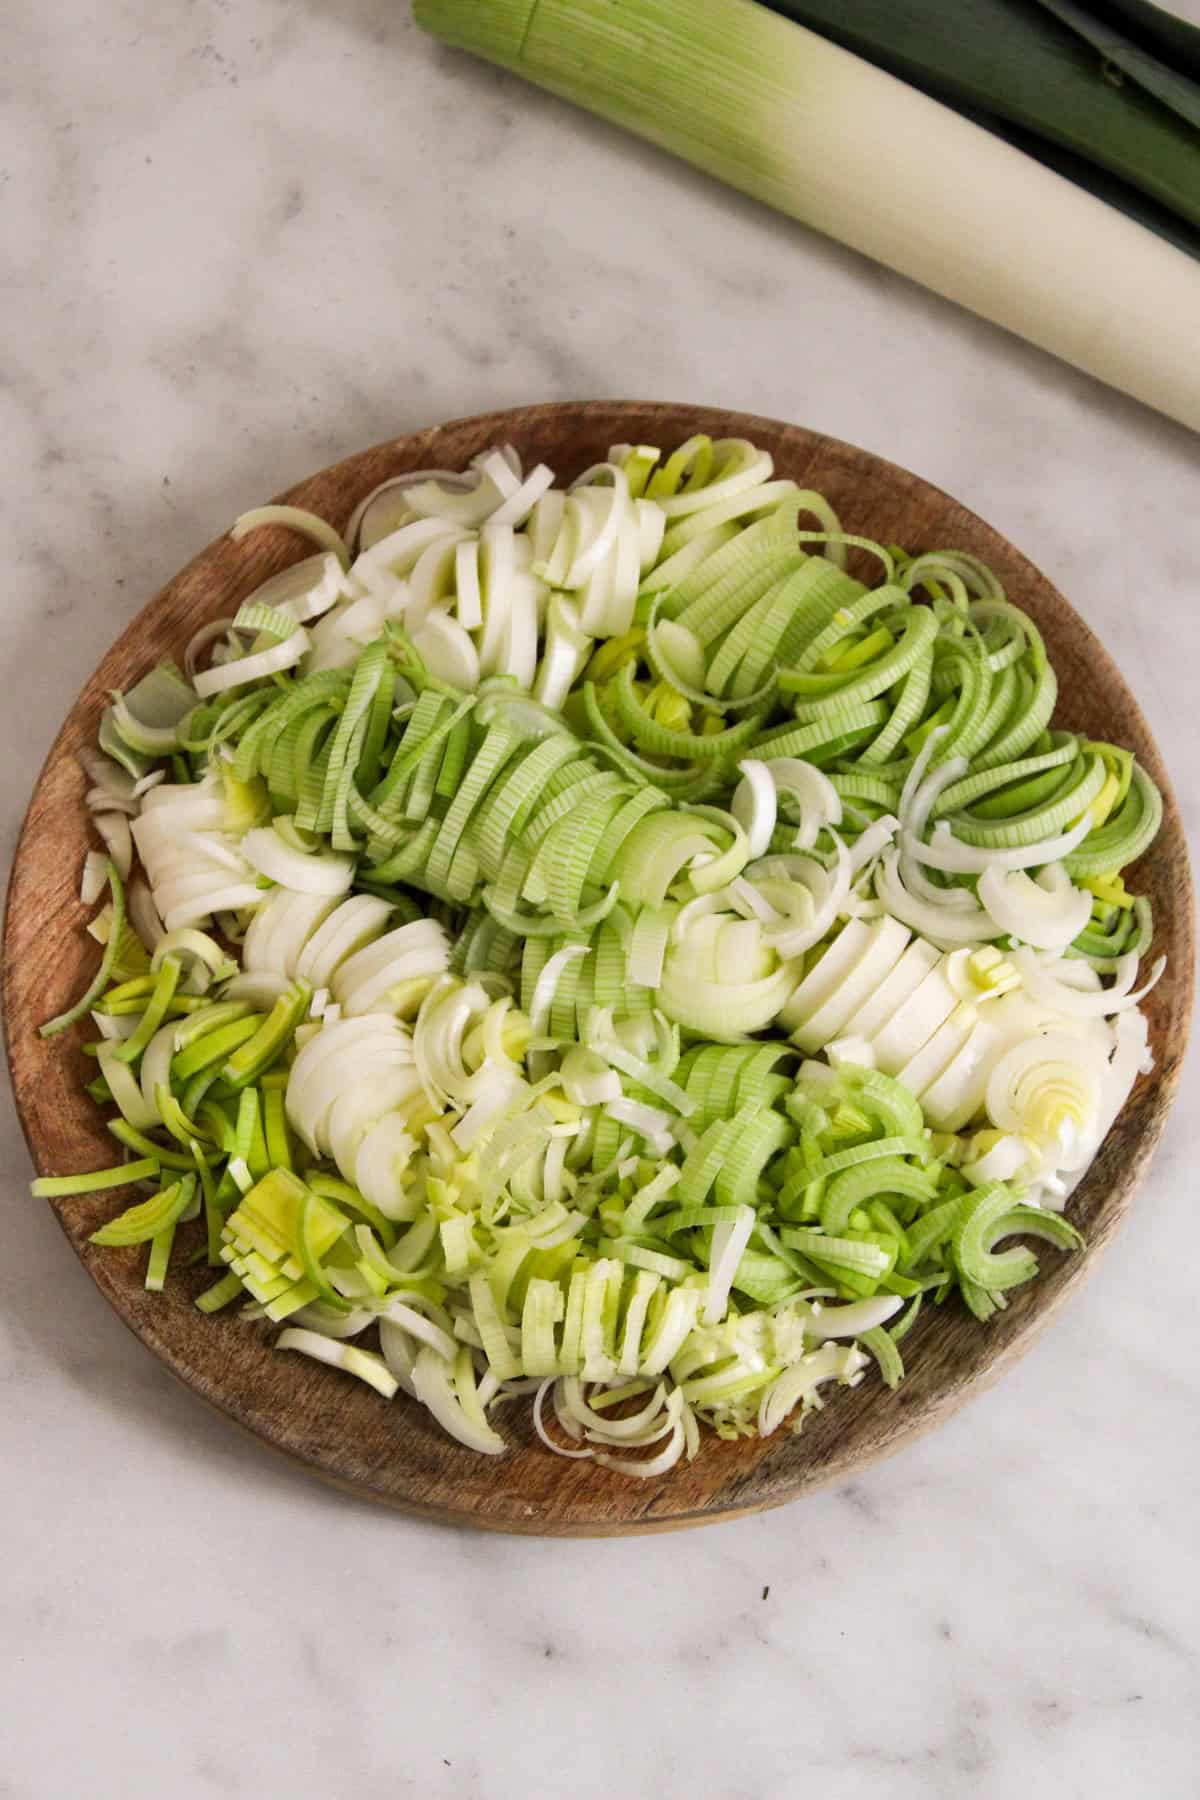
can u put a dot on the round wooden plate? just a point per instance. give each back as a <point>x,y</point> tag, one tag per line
<point>395,1454</point>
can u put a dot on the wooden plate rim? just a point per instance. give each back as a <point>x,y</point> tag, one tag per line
<point>757,1476</point>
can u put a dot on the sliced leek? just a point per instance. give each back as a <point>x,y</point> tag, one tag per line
<point>657,1018</point>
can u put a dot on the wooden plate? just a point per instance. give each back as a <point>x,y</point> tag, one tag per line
<point>330,1424</point>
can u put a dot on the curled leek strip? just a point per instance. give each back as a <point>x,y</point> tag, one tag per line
<point>616,951</point>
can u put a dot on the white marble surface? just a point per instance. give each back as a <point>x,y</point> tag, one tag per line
<point>239,241</point>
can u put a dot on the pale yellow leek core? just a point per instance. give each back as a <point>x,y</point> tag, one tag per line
<point>787,117</point>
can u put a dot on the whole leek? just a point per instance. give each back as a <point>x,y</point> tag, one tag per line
<point>797,122</point>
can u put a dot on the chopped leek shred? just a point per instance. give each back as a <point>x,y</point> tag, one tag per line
<point>572,1037</point>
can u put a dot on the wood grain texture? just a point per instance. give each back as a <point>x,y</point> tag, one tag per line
<point>332,1425</point>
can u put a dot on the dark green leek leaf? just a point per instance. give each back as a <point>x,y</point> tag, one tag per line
<point>1163,32</point>
<point>1127,60</point>
<point>1012,60</point>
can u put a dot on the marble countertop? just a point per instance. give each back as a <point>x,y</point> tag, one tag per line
<point>238,242</point>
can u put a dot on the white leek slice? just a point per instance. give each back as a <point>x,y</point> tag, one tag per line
<point>411,952</point>
<point>368,1366</point>
<point>832,1362</point>
<point>453,500</point>
<point>519,503</point>
<point>981,975</point>
<point>1052,985</point>
<point>336,1052</point>
<point>143,914</point>
<point>725,1011</point>
<point>912,1025</point>
<point>921,790</point>
<point>281,928</point>
<point>114,1030</point>
<point>377,1090</point>
<point>495,1095</point>
<point>933,1057</point>
<point>93,879</point>
<point>433,1387</point>
<point>885,944</point>
<point>1131,1057</point>
<point>296,518</point>
<point>199,642</point>
<point>605,510</point>
<point>126,1092</point>
<point>947,923</point>
<point>148,717</point>
<point>200,805</point>
<point>826,977</point>
<point>729,1240</point>
<point>754,805</point>
<point>338,638</point>
<point>565,651</point>
<point>1046,910</point>
<point>261,988</point>
<point>196,903</point>
<point>202,957</point>
<point>542,1303</point>
<point>950,854</point>
<point>448,1011</point>
<point>447,651</point>
<point>273,661</point>
<point>663,1343</point>
<point>468,603</point>
<point>608,1428</point>
<point>818,800</point>
<point>431,580</point>
<point>306,589</point>
<point>265,850</point>
<point>682,652</point>
<point>1049,1089</point>
<point>519,653</point>
<point>649,1122</point>
<point>399,1352</point>
<point>546,527</point>
<point>385,509</point>
<point>321,1318</point>
<point>651,1467</point>
<point>497,573</point>
<point>852,1320</point>
<point>907,976</point>
<point>651,529</point>
<point>426,1331</point>
<point>155,1069</point>
<point>350,927</point>
<point>1008,1158</point>
<point>114,829</point>
<point>648,945</point>
<point>829,890</point>
<point>587,1079</point>
<point>542,998</point>
<point>112,785</point>
<point>952,1099</point>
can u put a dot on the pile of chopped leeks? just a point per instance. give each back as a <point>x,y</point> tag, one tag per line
<point>589,944</point>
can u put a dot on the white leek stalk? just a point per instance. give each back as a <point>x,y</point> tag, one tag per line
<point>793,120</point>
